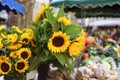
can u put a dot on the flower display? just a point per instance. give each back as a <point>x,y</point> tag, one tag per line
<point>49,39</point>
<point>15,52</point>
<point>59,41</point>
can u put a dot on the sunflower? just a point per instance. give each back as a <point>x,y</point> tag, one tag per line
<point>59,42</point>
<point>14,46</point>
<point>21,66</point>
<point>1,44</point>
<point>12,38</point>
<point>5,67</point>
<point>13,54</point>
<point>81,39</point>
<point>29,32</point>
<point>25,38</point>
<point>41,11</point>
<point>74,49</point>
<point>24,53</point>
<point>78,45</point>
<point>4,58</point>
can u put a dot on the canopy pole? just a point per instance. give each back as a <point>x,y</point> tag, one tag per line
<point>83,15</point>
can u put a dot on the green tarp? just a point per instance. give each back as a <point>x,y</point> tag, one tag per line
<point>90,8</point>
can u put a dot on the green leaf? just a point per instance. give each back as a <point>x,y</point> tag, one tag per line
<point>44,25</point>
<point>70,64</point>
<point>47,29</point>
<point>52,20</point>
<point>46,56</point>
<point>61,12</point>
<point>37,32</point>
<point>61,58</point>
<point>47,52</point>
<point>72,30</point>
<point>3,50</point>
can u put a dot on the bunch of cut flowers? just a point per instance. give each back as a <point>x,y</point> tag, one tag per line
<point>52,38</point>
<point>15,52</point>
<point>59,41</point>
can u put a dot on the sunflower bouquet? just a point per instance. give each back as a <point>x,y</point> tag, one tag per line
<point>15,52</point>
<point>59,41</point>
<point>51,39</point>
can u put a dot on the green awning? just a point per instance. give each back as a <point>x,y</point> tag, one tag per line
<point>84,3</point>
<point>90,8</point>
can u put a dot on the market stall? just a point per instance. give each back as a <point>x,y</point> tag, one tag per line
<point>93,8</point>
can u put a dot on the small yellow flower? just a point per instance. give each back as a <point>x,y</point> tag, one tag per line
<point>3,35</point>
<point>12,38</point>
<point>17,29</point>
<point>64,20</point>
<point>13,54</point>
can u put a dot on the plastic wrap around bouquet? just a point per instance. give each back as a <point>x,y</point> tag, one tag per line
<point>52,38</point>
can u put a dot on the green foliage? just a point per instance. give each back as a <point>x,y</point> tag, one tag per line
<point>52,20</point>
<point>61,12</point>
<point>72,28</point>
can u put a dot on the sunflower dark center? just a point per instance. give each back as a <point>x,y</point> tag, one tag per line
<point>58,41</point>
<point>20,65</point>
<point>5,67</point>
<point>25,40</point>
<point>24,55</point>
